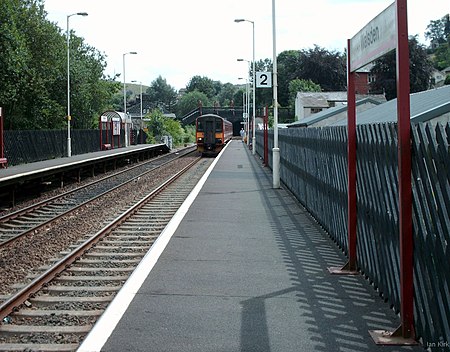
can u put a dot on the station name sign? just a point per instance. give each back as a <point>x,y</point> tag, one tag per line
<point>376,39</point>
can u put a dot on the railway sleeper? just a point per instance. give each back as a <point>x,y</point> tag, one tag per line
<point>58,312</point>
<point>102,278</point>
<point>46,300</point>
<point>101,289</point>
<point>33,329</point>
<point>44,347</point>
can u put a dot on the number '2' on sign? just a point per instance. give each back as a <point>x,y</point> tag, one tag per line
<point>263,79</point>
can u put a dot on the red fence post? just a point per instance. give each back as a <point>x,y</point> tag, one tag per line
<point>266,136</point>
<point>350,267</point>
<point>404,174</point>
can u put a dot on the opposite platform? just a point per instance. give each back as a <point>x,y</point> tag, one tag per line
<point>246,270</point>
<point>17,173</point>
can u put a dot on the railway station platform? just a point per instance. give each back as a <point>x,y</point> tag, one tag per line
<point>25,177</point>
<point>242,267</point>
<point>38,169</point>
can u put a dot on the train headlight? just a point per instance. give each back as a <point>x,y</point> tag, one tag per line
<point>200,140</point>
<point>218,141</point>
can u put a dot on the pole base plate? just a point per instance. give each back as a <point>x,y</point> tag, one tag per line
<point>344,270</point>
<point>391,338</point>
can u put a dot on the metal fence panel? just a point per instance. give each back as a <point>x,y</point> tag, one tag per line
<point>314,168</point>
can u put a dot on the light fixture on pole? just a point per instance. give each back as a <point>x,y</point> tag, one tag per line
<point>247,87</point>
<point>254,82</point>
<point>140,95</point>
<point>275,150</point>
<point>69,141</point>
<point>125,96</point>
<point>245,104</point>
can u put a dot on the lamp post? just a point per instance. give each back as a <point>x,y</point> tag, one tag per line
<point>140,94</point>
<point>125,96</point>
<point>275,150</point>
<point>69,142</point>
<point>245,105</point>
<point>254,82</point>
<point>247,87</point>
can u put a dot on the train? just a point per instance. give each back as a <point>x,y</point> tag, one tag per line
<point>212,132</point>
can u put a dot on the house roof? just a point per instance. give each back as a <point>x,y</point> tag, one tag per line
<point>325,114</point>
<point>314,101</point>
<point>327,96</point>
<point>424,106</point>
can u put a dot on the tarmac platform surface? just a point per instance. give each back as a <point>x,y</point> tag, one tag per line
<point>246,270</point>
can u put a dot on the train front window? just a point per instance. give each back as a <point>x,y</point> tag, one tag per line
<point>200,126</point>
<point>218,126</point>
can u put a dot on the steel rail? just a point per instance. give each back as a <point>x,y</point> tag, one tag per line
<point>20,297</point>
<point>34,207</point>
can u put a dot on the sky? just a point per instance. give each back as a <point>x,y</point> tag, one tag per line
<point>178,39</point>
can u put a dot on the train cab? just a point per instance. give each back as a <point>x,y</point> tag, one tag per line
<point>212,133</point>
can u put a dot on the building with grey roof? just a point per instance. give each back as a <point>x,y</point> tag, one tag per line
<point>334,114</point>
<point>428,106</point>
<point>310,103</point>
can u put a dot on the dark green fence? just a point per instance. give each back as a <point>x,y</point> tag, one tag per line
<point>314,168</point>
<point>23,147</point>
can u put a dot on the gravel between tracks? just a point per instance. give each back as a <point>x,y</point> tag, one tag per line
<point>20,260</point>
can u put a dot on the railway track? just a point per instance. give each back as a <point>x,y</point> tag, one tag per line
<point>60,306</point>
<point>28,220</point>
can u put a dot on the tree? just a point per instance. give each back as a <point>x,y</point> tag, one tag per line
<point>91,89</point>
<point>160,125</point>
<point>32,54</point>
<point>190,101</point>
<point>438,31</point>
<point>441,57</point>
<point>301,85</point>
<point>439,34</point>
<point>227,94</point>
<point>326,68</point>
<point>420,68</point>
<point>33,68</point>
<point>202,84</point>
<point>289,68</point>
<point>14,55</point>
<point>162,95</point>
<point>323,67</point>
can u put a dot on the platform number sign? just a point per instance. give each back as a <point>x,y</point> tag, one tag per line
<point>263,79</point>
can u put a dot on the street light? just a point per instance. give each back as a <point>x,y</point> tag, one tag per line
<point>69,142</point>
<point>125,96</point>
<point>245,105</point>
<point>275,150</point>
<point>140,95</point>
<point>248,101</point>
<point>254,82</point>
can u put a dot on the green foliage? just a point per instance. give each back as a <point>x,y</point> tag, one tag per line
<point>323,67</point>
<point>301,85</point>
<point>160,125</point>
<point>33,67</point>
<point>447,80</point>
<point>226,95</point>
<point>420,68</point>
<point>162,95</point>
<point>441,57</point>
<point>202,84</point>
<point>190,101</point>
<point>438,31</point>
